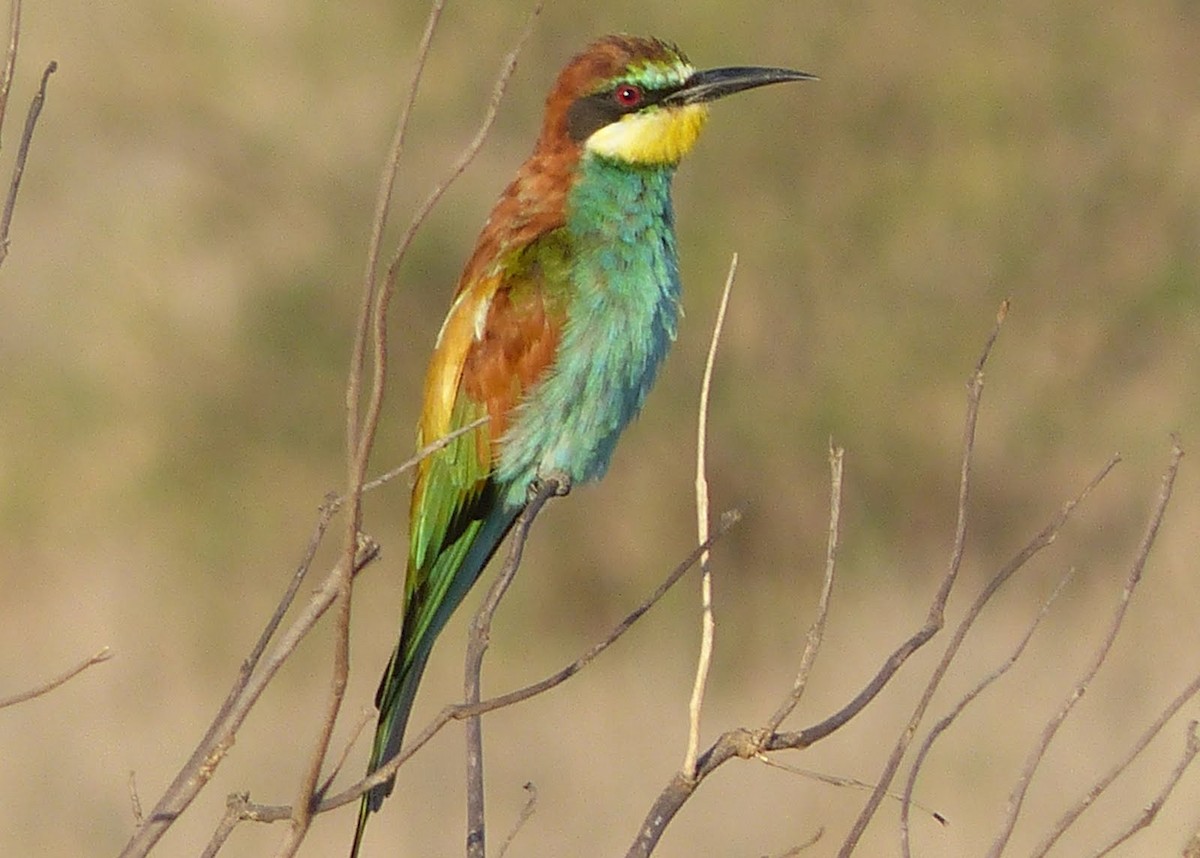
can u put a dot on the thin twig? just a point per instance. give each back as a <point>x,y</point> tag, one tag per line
<point>1143,741</point>
<point>208,754</point>
<point>944,724</point>
<point>383,206</point>
<point>421,454</point>
<point>229,715</point>
<point>707,623</point>
<point>1016,797</point>
<point>523,817</point>
<point>850,783</point>
<point>365,717</point>
<point>1150,811</point>
<point>31,118</point>
<point>477,643</point>
<point>816,632</point>
<point>48,686</point>
<point>801,848</point>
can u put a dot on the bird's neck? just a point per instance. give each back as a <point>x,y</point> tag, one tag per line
<point>622,228</point>
<point>621,225</point>
<point>614,201</point>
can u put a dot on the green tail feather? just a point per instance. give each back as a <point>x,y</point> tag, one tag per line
<point>453,572</point>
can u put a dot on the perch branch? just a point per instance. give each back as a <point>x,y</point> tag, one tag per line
<point>478,640</point>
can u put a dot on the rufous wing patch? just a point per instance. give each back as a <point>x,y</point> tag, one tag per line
<point>519,342</point>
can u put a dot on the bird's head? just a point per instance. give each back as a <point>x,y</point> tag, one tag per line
<point>639,101</point>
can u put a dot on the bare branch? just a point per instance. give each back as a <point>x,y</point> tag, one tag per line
<point>383,205</point>
<point>235,812</point>
<point>1017,796</point>
<point>360,436</point>
<point>708,623</point>
<point>135,800</point>
<point>359,442</point>
<point>229,714</point>
<point>48,686</point>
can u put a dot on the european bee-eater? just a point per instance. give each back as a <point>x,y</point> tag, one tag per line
<point>560,321</point>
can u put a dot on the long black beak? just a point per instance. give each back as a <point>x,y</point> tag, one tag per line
<point>717,83</point>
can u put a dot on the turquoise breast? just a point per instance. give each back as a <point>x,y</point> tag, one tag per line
<point>622,312</point>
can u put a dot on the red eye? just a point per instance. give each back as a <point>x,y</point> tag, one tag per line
<point>628,95</point>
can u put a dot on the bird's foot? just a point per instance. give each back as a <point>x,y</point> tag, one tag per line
<point>557,483</point>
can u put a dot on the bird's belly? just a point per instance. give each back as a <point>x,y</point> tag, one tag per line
<point>571,420</point>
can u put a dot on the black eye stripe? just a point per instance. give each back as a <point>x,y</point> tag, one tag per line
<point>590,113</point>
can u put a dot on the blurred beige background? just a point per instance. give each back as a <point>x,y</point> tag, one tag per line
<point>175,319</point>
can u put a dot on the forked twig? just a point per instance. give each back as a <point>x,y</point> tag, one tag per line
<point>936,617</point>
<point>360,433</point>
<point>217,741</point>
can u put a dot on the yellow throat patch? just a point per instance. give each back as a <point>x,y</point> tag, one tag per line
<point>657,137</point>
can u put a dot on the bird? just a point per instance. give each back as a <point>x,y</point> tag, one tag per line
<point>558,326</point>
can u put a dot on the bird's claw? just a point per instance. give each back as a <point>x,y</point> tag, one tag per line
<point>558,481</point>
